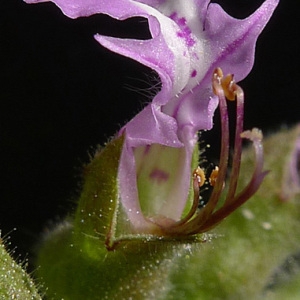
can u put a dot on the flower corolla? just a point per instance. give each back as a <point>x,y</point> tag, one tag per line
<point>191,42</point>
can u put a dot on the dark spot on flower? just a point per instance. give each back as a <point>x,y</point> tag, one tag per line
<point>147,149</point>
<point>194,73</point>
<point>159,175</point>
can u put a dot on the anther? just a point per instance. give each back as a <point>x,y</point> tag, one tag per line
<point>200,176</point>
<point>213,176</point>
<point>252,135</point>
<point>227,83</point>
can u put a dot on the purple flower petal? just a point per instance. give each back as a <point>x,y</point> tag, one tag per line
<point>190,38</point>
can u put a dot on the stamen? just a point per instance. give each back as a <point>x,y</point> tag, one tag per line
<point>239,94</point>
<point>227,85</point>
<point>200,176</point>
<point>213,176</point>
<point>206,186</point>
<point>191,213</point>
<point>204,219</point>
<point>194,225</point>
<point>255,135</point>
<point>215,196</point>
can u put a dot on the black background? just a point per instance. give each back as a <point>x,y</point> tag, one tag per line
<point>61,94</point>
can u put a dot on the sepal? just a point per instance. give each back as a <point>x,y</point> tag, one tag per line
<point>15,283</point>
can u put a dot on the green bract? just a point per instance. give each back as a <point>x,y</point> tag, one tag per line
<point>15,283</point>
<point>237,260</point>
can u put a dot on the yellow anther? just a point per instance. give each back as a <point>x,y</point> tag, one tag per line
<point>200,176</point>
<point>218,74</point>
<point>226,83</point>
<point>213,176</point>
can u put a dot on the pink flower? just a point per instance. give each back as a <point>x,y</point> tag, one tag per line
<point>158,192</point>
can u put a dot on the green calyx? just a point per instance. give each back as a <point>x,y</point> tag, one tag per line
<point>15,283</point>
<point>241,258</point>
<point>96,213</point>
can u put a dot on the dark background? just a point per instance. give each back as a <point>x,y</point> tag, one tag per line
<point>61,94</point>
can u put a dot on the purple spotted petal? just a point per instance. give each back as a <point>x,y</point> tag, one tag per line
<point>190,38</point>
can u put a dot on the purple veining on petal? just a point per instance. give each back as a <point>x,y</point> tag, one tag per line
<point>185,32</point>
<point>159,175</point>
<point>232,46</point>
